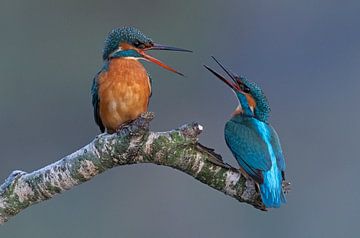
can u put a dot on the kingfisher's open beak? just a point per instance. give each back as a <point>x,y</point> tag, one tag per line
<point>228,71</point>
<point>234,84</point>
<point>158,62</point>
<point>227,82</point>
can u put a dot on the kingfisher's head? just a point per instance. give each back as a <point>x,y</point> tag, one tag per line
<point>129,42</point>
<point>252,100</point>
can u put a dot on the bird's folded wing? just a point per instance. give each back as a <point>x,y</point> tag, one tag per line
<point>248,148</point>
<point>95,101</point>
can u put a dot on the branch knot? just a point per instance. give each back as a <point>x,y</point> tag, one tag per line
<point>191,130</point>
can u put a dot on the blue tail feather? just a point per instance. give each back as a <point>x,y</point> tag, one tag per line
<point>271,190</point>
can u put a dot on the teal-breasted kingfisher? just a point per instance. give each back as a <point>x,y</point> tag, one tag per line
<point>122,89</point>
<point>253,141</point>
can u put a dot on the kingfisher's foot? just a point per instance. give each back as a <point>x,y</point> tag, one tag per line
<point>138,125</point>
<point>126,126</point>
<point>286,187</point>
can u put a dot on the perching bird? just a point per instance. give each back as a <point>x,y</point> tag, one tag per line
<point>122,88</point>
<point>253,141</point>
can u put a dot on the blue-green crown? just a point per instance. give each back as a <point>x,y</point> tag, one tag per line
<point>128,35</point>
<point>262,109</point>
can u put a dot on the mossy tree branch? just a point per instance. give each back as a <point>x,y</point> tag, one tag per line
<point>133,144</point>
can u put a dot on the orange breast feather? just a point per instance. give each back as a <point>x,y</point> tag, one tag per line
<point>251,101</point>
<point>124,91</point>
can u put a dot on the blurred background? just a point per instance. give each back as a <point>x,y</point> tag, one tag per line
<point>304,54</point>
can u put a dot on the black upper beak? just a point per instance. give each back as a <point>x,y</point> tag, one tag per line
<point>233,76</point>
<point>166,47</point>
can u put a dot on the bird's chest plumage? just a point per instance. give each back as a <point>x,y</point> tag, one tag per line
<point>124,91</point>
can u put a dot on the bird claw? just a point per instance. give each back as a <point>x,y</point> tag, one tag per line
<point>126,126</point>
<point>286,187</point>
<point>136,126</point>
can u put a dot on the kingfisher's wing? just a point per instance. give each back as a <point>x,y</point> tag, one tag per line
<point>275,143</point>
<point>95,101</point>
<point>248,147</point>
<point>150,82</point>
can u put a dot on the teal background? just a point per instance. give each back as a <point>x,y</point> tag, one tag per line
<point>304,54</point>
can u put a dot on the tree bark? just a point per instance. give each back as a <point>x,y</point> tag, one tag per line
<point>133,144</point>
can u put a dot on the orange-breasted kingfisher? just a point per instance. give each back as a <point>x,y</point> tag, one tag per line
<point>253,141</point>
<point>122,88</point>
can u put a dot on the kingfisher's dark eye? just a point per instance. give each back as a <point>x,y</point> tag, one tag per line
<point>246,89</point>
<point>139,45</point>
